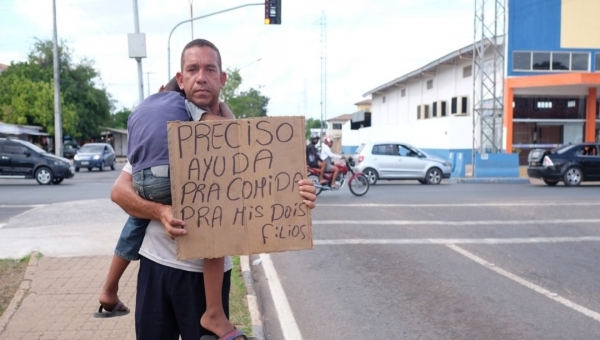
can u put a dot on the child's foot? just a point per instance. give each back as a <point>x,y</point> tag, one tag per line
<point>218,324</point>
<point>110,300</point>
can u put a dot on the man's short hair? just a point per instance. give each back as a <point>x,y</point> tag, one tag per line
<point>201,43</point>
<point>172,85</point>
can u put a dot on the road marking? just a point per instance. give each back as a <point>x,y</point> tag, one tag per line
<point>22,205</point>
<point>587,312</point>
<point>459,205</point>
<point>426,222</point>
<point>287,322</point>
<point>446,241</point>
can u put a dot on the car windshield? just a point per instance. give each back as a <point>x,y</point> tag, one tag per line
<point>92,149</point>
<point>33,147</point>
<point>562,149</point>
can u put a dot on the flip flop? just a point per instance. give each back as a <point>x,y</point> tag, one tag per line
<point>231,335</point>
<point>119,310</point>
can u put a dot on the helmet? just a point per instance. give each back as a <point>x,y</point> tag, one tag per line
<point>328,139</point>
<point>314,138</point>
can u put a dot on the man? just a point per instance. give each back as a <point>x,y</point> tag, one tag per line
<point>170,293</point>
<point>313,159</point>
<point>327,156</point>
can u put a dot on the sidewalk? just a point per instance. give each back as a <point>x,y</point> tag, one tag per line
<point>59,293</point>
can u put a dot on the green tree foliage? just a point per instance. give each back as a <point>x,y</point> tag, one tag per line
<point>27,92</point>
<point>118,120</point>
<point>249,103</point>
<point>312,123</point>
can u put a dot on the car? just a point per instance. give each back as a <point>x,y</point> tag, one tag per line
<point>95,155</point>
<point>21,159</point>
<point>400,161</point>
<point>70,150</point>
<point>571,164</point>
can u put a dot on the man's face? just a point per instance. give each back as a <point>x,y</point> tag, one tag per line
<point>201,78</point>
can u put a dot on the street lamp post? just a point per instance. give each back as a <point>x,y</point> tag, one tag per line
<point>197,18</point>
<point>58,139</point>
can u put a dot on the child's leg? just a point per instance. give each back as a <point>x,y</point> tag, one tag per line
<point>214,318</point>
<point>126,251</point>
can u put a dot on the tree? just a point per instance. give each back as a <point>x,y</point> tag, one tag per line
<point>312,123</point>
<point>249,103</point>
<point>27,92</point>
<point>118,120</point>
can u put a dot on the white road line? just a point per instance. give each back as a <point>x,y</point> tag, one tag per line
<point>288,324</point>
<point>460,205</point>
<point>427,222</point>
<point>587,312</point>
<point>22,205</point>
<point>446,241</point>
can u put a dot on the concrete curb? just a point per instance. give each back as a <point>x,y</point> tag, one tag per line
<point>489,180</point>
<point>21,292</point>
<point>255,316</point>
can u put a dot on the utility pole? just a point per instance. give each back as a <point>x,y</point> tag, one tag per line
<point>192,16</point>
<point>137,48</point>
<point>148,81</point>
<point>323,24</point>
<point>57,114</point>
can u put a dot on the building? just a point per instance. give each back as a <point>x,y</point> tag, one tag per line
<point>3,67</point>
<point>334,129</point>
<point>549,94</point>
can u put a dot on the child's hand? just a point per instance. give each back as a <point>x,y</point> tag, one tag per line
<point>307,190</point>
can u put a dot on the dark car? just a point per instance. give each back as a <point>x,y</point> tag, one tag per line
<point>572,164</point>
<point>70,150</point>
<point>21,159</point>
<point>95,155</point>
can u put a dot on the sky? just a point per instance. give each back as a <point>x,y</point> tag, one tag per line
<point>365,43</point>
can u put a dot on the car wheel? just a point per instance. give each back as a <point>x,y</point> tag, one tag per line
<point>422,181</point>
<point>43,176</point>
<point>76,169</point>
<point>113,165</point>
<point>57,180</point>
<point>89,169</point>
<point>372,175</point>
<point>551,182</point>
<point>102,166</point>
<point>572,177</point>
<point>433,176</point>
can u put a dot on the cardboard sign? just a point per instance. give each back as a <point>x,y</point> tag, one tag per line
<point>234,183</point>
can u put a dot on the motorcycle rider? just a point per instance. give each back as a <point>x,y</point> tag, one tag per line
<point>313,159</point>
<point>327,156</point>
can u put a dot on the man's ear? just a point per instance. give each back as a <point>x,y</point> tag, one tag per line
<point>223,79</point>
<point>179,77</point>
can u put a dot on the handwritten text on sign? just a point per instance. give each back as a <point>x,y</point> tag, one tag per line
<point>234,183</point>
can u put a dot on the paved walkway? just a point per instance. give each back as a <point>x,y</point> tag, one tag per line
<point>58,297</point>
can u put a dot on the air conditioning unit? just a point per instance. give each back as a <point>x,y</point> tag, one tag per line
<point>459,106</point>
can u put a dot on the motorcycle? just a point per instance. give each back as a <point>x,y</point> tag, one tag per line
<point>357,181</point>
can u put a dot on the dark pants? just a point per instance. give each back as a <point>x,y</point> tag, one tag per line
<point>170,302</point>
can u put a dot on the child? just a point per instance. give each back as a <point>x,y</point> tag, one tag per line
<point>148,155</point>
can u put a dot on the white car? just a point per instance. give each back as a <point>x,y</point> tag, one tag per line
<point>396,160</point>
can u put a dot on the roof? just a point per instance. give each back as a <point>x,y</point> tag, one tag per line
<point>364,102</point>
<point>3,67</point>
<point>345,117</point>
<point>431,68</point>
<point>123,131</point>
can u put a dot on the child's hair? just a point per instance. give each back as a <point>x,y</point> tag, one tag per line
<point>173,86</point>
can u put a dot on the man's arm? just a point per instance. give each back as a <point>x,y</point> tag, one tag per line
<point>123,195</point>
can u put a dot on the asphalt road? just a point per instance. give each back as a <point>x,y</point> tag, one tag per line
<point>458,261</point>
<point>406,261</point>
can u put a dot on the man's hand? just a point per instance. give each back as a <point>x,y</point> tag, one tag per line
<point>172,226</point>
<point>307,191</point>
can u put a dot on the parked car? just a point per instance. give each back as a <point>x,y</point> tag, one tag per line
<point>400,161</point>
<point>572,164</point>
<point>21,159</point>
<point>70,150</point>
<point>95,155</point>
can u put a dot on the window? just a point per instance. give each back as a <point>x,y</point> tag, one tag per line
<point>385,149</point>
<point>403,93</point>
<point>15,148</point>
<point>580,61</point>
<point>430,84</point>
<point>597,62</point>
<point>418,111</point>
<point>336,126</point>
<point>443,109</point>
<point>454,105</point>
<point>425,111</point>
<point>383,99</point>
<point>522,61</point>
<point>434,109</point>
<point>463,105</point>
<point>541,61</point>
<point>467,71</point>
<point>561,61</point>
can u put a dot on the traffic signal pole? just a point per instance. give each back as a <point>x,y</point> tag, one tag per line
<point>197,18</point>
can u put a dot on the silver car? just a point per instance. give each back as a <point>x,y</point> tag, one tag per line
<point>395,160</point>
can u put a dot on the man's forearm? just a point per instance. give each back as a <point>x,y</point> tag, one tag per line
<point>123,194</point>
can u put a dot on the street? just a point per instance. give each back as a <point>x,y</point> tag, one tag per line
<point>406,261</point>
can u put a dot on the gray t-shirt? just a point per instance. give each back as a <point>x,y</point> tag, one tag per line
<point>147,128</point>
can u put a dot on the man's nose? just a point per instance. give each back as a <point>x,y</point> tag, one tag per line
<point>200,77</point>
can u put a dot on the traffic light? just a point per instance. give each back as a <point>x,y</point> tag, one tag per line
<point>272,12</point>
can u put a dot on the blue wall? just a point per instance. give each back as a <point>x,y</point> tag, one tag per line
<point>535,25</point>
